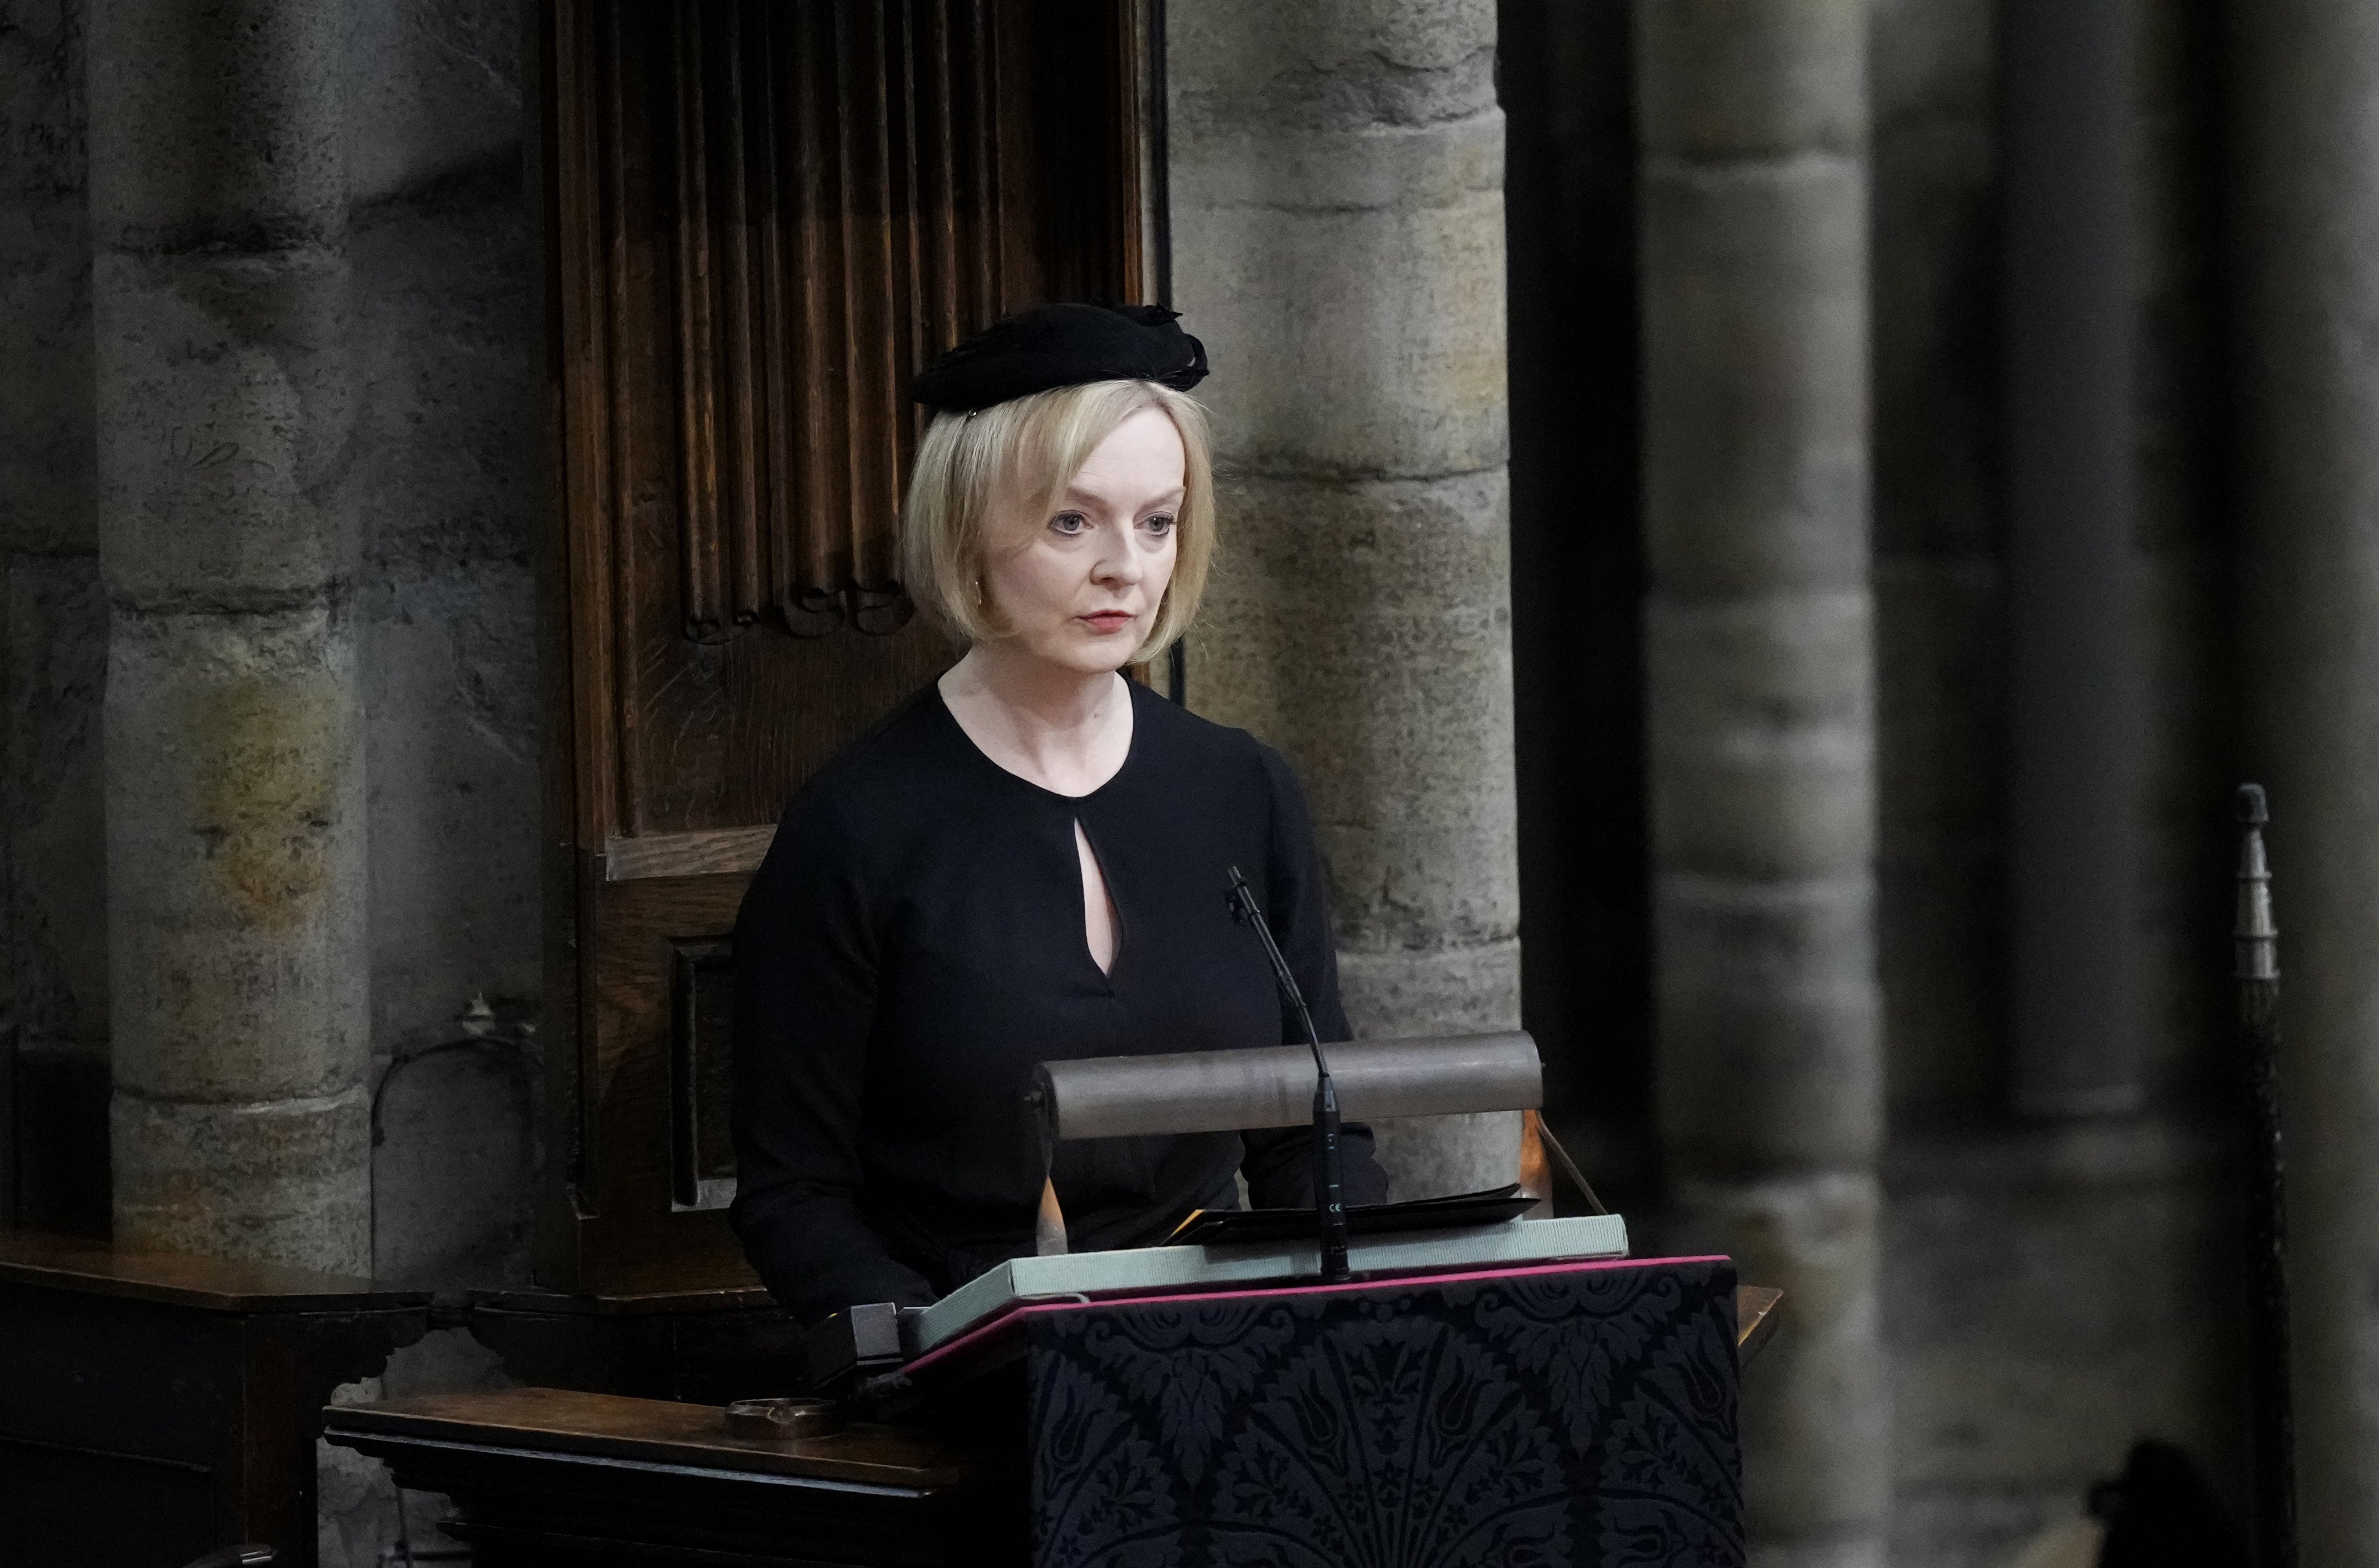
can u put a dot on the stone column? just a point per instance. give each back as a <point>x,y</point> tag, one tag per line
<point>2305,231</point>
<point>1752,121</point>
<point>233,795</point>
<point>2076,725</point>
<point>1338,242</point>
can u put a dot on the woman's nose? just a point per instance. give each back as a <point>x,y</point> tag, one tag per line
<point>1119,558</point>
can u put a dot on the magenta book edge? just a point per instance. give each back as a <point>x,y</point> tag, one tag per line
<point>1017,1314</point>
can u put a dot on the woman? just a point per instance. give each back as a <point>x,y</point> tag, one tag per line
<point>1026,861</point>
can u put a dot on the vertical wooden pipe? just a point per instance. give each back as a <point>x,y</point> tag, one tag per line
<point>991,282</point>
<point>738,255</point>
<point>702,583</point>
<point>817,184</point>
<point>779,522</point>
<point>617,595</point>
<point>872,523</point>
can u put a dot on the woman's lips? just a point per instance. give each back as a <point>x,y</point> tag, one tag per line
<point>1106,620</point>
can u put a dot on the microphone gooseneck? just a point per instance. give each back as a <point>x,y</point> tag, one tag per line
<point>1329,1172</point>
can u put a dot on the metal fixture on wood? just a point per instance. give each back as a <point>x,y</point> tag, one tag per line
<point>2270,1375</point>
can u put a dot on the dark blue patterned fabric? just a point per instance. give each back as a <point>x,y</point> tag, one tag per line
<point>1585,1416</point>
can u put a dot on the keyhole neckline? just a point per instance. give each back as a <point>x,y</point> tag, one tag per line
<point>1090,864</point>
<point>1131,751</point>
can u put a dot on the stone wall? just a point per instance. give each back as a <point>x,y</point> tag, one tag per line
<point>446,485</point>
<point>441,479</point>
<point>1338,242</point>
<point>1759,715</point>
<point>2048,1291</point>
<point>53,639</point>
<point>2052,1290</point>
<point>2303,220</point>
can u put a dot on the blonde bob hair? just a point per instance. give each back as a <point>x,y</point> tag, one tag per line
<point>1032,448</point>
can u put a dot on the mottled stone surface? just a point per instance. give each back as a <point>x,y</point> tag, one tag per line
<point>318,471</point>
<point>2051,1295</point>
<point>235,784</point>
<point>1818,1405</point>
<point>226,412</point>
<point>1764,741</point>
<point>234,805</point>
<point>361,1516</point>
<point>1760,703</point>
<point>218,124</point>
<point>53,641</point>
<point>1338,243</point>
<point>444,489</point>
<point>279,1181</point>
<point>1771,1023</point>
<point>1753,78</point>
<point>54,994</point>
<point>455,1171</point>
<point>2306,216</point>
<point>2050,1291</point>
<point>1756,286</point>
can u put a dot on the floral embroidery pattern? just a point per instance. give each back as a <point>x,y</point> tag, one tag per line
<point>1581,1417</point>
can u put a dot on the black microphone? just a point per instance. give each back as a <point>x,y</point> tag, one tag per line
<point>1329,1172</point>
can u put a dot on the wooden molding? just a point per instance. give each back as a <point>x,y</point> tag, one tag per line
<point>720,852</point>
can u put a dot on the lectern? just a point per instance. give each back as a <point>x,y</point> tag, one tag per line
<point>1568,1414</point>
<point>1499,1391</point>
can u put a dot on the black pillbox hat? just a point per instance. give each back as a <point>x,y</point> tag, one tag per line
<point>1062,346</point>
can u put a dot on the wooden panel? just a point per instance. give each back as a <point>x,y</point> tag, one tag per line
<point>215,1285</point>
<point>837,206</point>
<point>655,1431</point>
<point>729,851</point>
<point>762,219</point>
<point>188,1388</point>
<point>538,1478</point>
<point>1755,1319</point>
<point>702,1074</point>
<point>64,1505</point>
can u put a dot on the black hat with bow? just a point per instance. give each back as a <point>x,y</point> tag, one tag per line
<point>1062,346</point>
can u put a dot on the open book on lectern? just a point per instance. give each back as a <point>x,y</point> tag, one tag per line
<point>1492,1207</point>
<point>1290,1260</point>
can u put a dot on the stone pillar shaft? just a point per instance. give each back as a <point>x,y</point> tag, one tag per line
<point>234,798</point>
<point>1339,241</point>
<point>1751,116</point>
<point>2305,231</point>
<point>2076,725</point>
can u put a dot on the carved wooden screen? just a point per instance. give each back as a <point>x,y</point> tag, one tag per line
<point>761,218</point>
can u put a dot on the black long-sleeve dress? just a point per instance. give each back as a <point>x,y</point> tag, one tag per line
<point>913,946</point>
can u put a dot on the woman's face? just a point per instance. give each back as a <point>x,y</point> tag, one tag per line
<point>1079,586</point>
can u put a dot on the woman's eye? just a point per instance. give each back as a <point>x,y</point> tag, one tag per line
<point>1069,522</point>
<point>1159,525</point>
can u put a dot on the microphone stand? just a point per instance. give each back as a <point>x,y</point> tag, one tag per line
<point>1329,1169</point>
